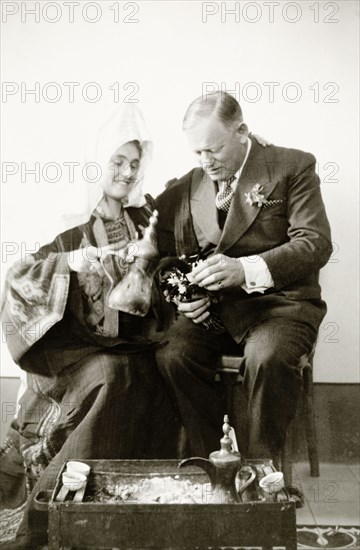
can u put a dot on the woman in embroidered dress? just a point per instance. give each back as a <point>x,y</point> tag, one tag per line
<point>93,387</point>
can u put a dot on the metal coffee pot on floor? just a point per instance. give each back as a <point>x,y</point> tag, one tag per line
<point>222,468</point>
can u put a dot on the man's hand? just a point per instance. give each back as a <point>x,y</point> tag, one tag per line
<point>196,310</point>
<point>85,260</point>
<point>219,272</point>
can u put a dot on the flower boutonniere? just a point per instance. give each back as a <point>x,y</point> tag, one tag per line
<point>256,198</point>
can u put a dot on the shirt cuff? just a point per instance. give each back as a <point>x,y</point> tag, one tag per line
<point>257,275</point>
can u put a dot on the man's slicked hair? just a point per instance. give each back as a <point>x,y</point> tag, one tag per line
<point>220,104</point>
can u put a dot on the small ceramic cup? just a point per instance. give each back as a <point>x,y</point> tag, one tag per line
<point>272,484</point>
<point>76,467</point>
<point>73,481</point>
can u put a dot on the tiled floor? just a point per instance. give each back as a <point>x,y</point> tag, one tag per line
<point>331,499</point>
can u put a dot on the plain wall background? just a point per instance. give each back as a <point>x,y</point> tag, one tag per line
<point>170,54</point>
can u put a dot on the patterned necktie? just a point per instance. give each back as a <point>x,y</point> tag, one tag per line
<point>225,195</point>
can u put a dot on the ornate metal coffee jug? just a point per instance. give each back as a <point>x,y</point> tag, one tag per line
<point>222,467</point>
<point>133,293</point>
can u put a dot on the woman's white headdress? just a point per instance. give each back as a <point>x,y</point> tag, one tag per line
<point>126,124</point>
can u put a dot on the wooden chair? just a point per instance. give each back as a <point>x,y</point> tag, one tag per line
<point>228,371</point>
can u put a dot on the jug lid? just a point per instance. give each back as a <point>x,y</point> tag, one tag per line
<point>225,457</point>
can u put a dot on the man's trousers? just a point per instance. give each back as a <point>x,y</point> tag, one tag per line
<point>272,351</point>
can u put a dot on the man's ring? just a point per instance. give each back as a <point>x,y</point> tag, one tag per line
<point>220,284</point>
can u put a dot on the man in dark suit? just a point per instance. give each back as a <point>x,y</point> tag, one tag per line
<point>257,216</point>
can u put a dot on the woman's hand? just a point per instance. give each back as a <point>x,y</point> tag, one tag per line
<point>86,260</point>
<point>124,250</point>
<point>261,141</point>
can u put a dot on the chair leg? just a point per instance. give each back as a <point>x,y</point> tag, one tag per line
<point>286,459</point>
<point>309,421</point>
<point>229,381</point>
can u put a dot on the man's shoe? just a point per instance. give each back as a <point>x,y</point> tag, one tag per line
<point>296,495</point>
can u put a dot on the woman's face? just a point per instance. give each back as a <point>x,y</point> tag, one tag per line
<point>122,171</point>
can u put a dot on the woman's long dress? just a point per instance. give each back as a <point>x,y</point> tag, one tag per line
<point>93,387</point>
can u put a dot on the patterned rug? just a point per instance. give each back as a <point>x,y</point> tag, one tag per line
<point>309,537</point>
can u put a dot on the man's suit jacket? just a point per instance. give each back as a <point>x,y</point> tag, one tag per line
<point>291,235</point>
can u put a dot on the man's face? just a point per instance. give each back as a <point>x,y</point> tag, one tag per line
<point>219,149</point>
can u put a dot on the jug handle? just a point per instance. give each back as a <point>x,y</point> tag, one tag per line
<point>112,283</point>
<point>249,480</point>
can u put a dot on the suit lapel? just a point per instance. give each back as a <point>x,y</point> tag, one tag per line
<point>242,215</point>
<point>203,207</point>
